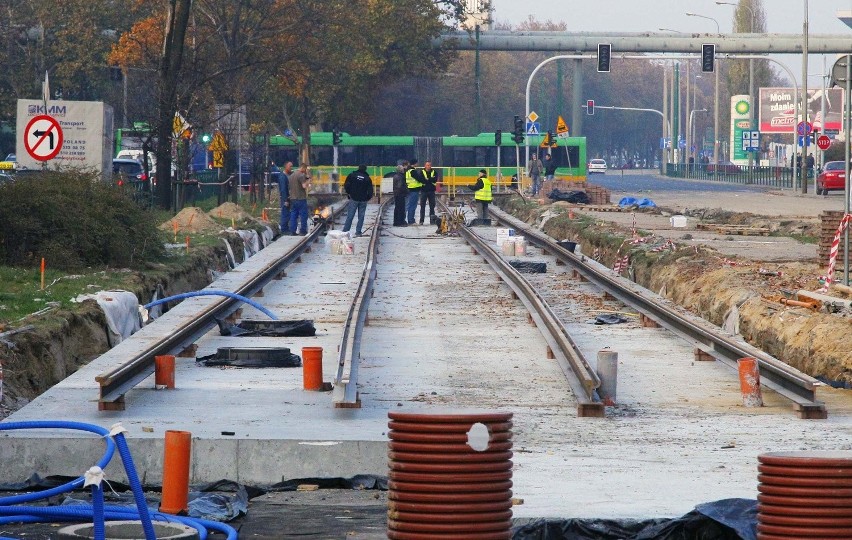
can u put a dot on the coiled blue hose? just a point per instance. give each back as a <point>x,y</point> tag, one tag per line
<point>214,292</point>
<point>96,512</point>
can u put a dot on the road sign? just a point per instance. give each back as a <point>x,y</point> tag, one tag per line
<point>43,137</point>
<point>751,140</point>
<point>180,127</point>
<point>532,117</point>
<point>838,71</point>
<point>804,141</point>
<point>218,159</point>
<point>804,128</point>
<point>533,128</point>
<point>561,128</point>
<point>824,142</point>
<point>219,143</point>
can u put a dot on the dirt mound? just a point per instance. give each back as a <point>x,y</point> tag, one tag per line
<point>192,220</point>
<point>230,210</point>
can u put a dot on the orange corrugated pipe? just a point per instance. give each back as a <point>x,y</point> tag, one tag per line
<point>164,370</point>
<point>312,368</point>
<point>749,371</point>
<point>176,453</point>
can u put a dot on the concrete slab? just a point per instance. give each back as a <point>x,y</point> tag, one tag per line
<point>444,332</point>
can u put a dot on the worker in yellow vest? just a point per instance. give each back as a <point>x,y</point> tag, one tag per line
<point>413,180</point>
<point>482,194</point>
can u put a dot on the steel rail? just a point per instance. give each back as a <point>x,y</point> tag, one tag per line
<point>581,377</point>
<point>115,383</point>
<point>345,395</point>
<point>791,383</point>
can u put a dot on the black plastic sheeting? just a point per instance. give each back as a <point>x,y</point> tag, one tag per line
<point>303,328</point>
<point>728,519</point>
<point>610,318</point>
<point>526,267</point>
<point>576,197</point>
<point>260,358</point>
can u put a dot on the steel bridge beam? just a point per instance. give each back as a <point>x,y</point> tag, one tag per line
<point>647,42</point>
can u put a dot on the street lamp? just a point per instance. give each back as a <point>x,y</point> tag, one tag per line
<point>752,101</point>
<point>716,98</point>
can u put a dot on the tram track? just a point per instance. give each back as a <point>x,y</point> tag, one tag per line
<point>789,382</point>
<point>116,382</point>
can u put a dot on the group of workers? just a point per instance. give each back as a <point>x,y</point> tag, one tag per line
<point>411,185</point>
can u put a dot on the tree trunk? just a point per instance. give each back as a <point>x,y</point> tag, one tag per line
<point>176,24</point>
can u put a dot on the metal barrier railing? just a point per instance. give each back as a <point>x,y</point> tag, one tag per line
<point>780,177</point>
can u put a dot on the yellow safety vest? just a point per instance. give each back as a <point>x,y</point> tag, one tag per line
<point>484,194</point>
<point>410,181</point>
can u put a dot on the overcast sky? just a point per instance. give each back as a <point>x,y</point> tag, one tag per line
<point>783,16</point>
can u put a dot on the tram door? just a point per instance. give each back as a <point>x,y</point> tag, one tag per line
<point>429,149</point>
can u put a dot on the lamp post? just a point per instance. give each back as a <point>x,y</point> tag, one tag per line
<point>716,98</point>
<point>689,130</point>
<point>751,100</point>
<point>805,96</point>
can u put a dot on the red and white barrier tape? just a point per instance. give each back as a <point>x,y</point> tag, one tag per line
<point>832,254</point>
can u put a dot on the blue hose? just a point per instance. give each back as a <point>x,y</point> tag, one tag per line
<point>97,512</point>
<point>135,486</point>
<point>69,486</point>
<point>214,292</point>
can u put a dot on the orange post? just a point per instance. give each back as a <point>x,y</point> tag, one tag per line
<point>749,371</point>
<point>187,244</point>
<point>312,368</point>
<point>42,273</point>
<point>164,371</point>
<point>175,228</point>
<point>178,445</point>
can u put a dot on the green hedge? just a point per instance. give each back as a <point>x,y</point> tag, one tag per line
<point>74,221</point>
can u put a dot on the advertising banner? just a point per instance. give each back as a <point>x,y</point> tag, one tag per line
<point>778,110</point>
<point>740,109</point>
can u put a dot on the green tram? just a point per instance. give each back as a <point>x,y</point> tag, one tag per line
<point>458,159</point>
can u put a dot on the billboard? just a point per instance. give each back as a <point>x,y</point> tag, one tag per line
<point>778,109</point>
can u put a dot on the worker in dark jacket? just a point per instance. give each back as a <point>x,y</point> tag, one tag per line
<point>482,194</point>
<point>359,187</point>
<point>400,195</point>
<point>427,193</point>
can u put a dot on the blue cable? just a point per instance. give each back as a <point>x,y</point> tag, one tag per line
<point>214,292</point>
<point>135,486</point>
<point>98,512</point>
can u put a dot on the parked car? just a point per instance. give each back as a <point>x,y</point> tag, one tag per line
<point>6,178</point>
<point>129,171</point>
<point>597,166</point>
<point>832,177</point>
<point>724,167</point>
<point>10,163</point>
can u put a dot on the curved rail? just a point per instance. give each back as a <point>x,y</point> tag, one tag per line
<point>119,380</point>
<point>791,383</point>
<point>346,381</point>
<point>581,377</point>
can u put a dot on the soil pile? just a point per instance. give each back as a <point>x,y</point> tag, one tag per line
<point>229,211</point>
<point>191,220</point>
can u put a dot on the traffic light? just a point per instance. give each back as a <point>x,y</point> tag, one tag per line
<point>335,137</point>
<point>519,130</point>
<point>590,106</point>
<point>206,138</point>
<point>708,57</point>
<point>604,56</point>
<point>498,137</point>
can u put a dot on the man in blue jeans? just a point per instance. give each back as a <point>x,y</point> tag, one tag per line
<point>300,184</point>
<point>359,187</point>
<point>284,193</point>
<point>415,185</point>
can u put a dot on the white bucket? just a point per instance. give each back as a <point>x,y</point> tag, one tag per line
<point>678,221</point>
<point>508,248</point>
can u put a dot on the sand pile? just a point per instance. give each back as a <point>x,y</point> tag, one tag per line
<point>229,211</point>
<point>191,220</point>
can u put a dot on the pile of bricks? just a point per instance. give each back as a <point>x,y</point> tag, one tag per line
<point>830,221</point>
<point>597,194</point>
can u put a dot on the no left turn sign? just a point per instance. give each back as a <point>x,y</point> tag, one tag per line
<point>43,137</point>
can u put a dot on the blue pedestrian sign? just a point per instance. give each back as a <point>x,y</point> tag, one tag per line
<point>805,141</point>
<point>533,128</point>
